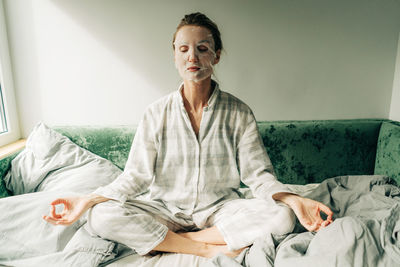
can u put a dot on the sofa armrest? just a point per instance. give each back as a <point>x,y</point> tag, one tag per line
<point>5,165</point>
<point>388,151</point>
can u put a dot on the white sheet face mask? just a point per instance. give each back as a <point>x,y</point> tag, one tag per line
<point>194,53</point>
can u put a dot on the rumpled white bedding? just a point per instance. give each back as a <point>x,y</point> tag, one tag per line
<point>52,166</point>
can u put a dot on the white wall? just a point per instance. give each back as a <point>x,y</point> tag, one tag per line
<point>100,62</point>
<point>395,106</point>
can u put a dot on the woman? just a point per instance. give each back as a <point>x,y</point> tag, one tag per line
<point>179,189</point>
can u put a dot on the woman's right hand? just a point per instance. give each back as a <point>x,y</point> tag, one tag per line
<point>73,208</point>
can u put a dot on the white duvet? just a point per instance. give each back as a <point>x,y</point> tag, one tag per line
<point>52,166</point>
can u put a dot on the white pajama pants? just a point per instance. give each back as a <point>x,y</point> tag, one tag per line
<point>142,225</point>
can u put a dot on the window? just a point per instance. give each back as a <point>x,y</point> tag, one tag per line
<point>9,125</point>
<point>3,120</point>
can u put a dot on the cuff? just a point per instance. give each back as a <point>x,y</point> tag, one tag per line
<point>107,192</point>
<point>266,193</point>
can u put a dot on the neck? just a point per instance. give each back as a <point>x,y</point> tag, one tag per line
<point>196,94</point>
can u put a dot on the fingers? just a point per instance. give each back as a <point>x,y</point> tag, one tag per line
<point>60,201</point>
<point>309,214</point>
<point>50,219</point>
<point>57,218</point>
<point>316,223</point>
<point>327,211</point>
<point>57,221</point>
<point>325,223</point>
<point>54,213</point>
<point>313,227</point>
<point>319,225</point>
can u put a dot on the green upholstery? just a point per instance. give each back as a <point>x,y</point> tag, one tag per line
<point>388,151</point>
<point>112,143</point>
<point>310,151</point>
<point>301,151</point>
<point>5,165</point>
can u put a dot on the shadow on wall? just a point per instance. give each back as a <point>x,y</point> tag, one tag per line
<point>139,32</point>
<point>327,56</point>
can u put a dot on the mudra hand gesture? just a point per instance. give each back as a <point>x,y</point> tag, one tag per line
<point>73,209</point>
<point>308,211</point>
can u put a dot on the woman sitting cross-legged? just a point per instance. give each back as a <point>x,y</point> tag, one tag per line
<point>179,190</point>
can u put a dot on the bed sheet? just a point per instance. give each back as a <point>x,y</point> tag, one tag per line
<point>365,231</point>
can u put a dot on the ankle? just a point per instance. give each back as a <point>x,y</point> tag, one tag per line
<point>207,251</point>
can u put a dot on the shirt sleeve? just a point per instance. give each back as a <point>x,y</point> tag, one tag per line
<point>139,169</point>
<point>256,170</point>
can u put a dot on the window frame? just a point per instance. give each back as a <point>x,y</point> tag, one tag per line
<point>7,86</point>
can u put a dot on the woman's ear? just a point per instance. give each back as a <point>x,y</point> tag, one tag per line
<point>217,56</point>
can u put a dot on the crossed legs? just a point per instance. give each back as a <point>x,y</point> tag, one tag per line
<point>209,235</point>
<point>146,226</point>
<point>202,244</point>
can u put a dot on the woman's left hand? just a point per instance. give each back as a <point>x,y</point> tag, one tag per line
<point>308,211</point>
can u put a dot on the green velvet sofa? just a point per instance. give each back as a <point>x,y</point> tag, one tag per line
<point>301,152</point>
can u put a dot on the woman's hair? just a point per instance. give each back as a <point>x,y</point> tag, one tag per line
<point>199,19</point>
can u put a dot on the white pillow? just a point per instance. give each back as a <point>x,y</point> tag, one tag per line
<point>52,162</point>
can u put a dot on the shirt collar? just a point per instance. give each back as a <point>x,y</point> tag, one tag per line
<point>211,101</point>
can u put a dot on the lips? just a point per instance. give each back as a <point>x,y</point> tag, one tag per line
<point>193,68</point>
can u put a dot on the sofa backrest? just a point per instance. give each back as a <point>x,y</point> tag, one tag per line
<point>301,151</point>
<point>311,151</point>
<point>388,151</point>
<point>112,143</point>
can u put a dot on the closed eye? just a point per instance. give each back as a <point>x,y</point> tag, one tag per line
<point>202,48</point>
<point>183,48</point>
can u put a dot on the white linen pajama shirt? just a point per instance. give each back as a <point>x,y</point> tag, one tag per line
<point>176,180</point>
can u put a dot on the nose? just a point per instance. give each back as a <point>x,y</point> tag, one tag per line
<point>192,56</point>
